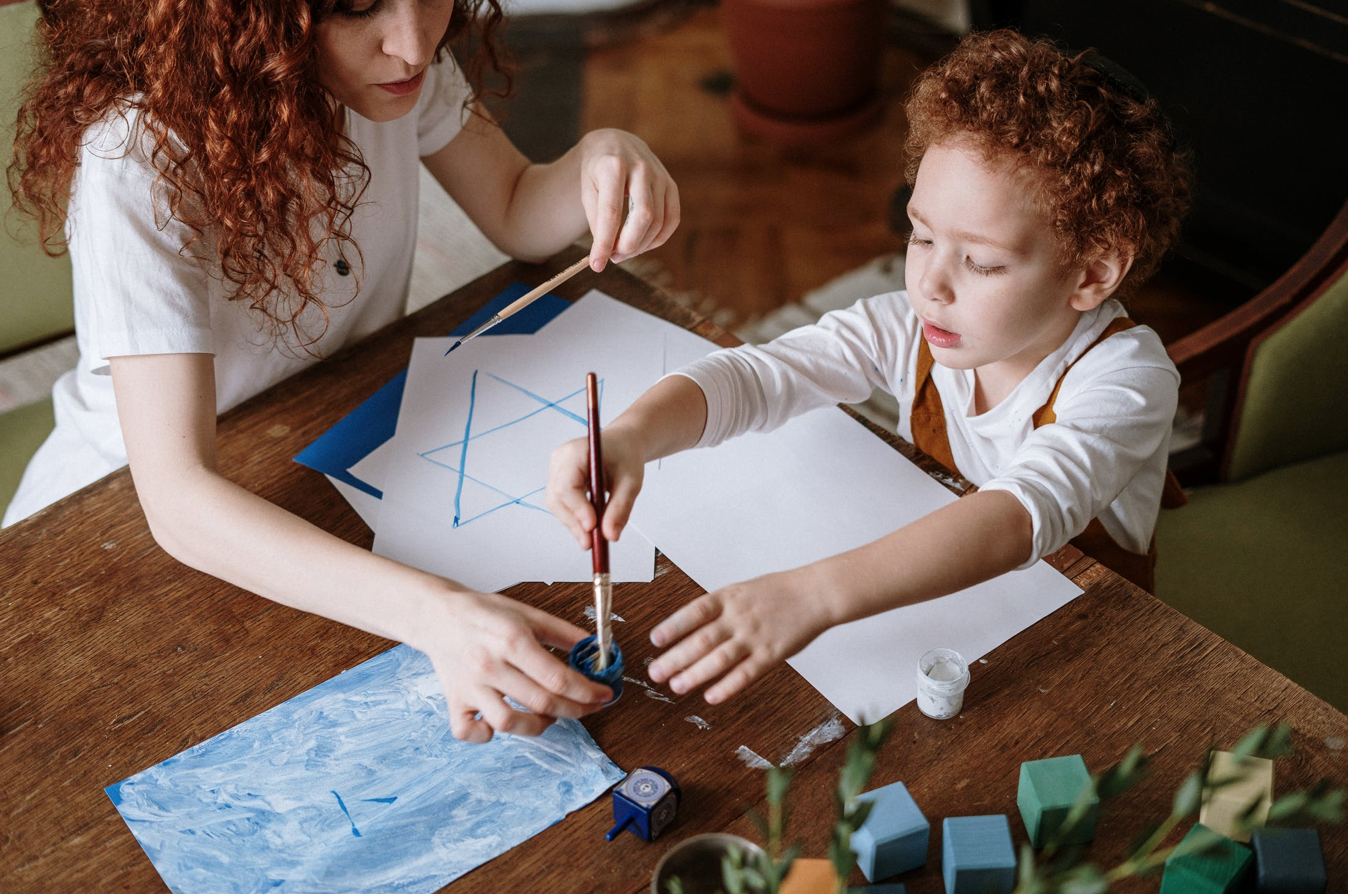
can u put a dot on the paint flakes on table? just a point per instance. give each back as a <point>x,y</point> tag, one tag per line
<point>830,730</point>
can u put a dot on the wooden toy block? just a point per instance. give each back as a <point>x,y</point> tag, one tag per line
<point>894,837</point>
<point>1221,807</point>
<point>887,888</point>
<point>810,877</point>
<point>977,857</point>
<point>1220,869</point>
<point>1048,789</point>
<point>1289,861</point>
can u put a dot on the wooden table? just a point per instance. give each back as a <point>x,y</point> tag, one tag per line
<point>114,657</point>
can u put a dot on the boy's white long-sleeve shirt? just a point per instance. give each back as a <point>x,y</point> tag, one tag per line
<point>1105,456</point>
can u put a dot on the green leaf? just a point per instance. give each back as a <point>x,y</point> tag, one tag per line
<point>1123,775</point>
<point>1190,795</point>
<point>1251,743</point>
<point>1328,808</point>
<point>1142,838</point>
<point>1288,805</point>
<point>674,886</point>
<point>1085,879</point>
<point>1279,742</point>
<point>779,781</point>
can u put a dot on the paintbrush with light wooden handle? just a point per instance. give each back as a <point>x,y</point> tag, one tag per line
<point>524,301</point>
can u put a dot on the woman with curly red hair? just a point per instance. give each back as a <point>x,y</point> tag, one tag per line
<point>237,184</point>
<point>1044,186</point>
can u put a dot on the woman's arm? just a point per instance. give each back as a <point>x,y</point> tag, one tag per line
<point>531,211</point>
<point>483,646</point>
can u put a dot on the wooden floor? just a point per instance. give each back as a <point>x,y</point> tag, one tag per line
<point>763,224</point>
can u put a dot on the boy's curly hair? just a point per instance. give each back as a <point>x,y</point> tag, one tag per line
<point>243,135</point>
<point>1111,176</point>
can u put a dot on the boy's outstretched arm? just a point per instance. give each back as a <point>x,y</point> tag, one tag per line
<point>668,418</point>
<point>735,634</point>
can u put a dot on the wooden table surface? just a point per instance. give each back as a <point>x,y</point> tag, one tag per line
<point>114,657</point>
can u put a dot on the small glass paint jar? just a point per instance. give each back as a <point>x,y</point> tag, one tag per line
<point>582,658</point>
<point>942,675</point>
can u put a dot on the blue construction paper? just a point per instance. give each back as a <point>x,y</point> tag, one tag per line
<point>354,786</point>
<point>372,423</point>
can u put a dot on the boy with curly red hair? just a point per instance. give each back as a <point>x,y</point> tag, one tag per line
<point>1044,186</point>
<point>238,184</point>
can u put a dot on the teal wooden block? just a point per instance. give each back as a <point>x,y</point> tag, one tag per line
<point>895,835</point>
<point>977,856</point>
<point>1220,869</point>
<point>1048,789</point>
<point>1289,861</point>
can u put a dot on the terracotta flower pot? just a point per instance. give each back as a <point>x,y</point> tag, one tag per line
<point>805,70</point>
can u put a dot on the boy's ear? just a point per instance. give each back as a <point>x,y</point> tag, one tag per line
<point>1099,279</point>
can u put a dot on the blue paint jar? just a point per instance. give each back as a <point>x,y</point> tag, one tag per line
<point>582,659</point>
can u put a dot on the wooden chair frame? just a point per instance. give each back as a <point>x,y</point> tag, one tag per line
<point>1221,352</point>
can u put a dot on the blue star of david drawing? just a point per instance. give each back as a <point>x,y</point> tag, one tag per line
<point>459,449</point>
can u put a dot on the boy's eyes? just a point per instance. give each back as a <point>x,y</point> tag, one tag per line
<point>918,242</point>
<point>981,270</point>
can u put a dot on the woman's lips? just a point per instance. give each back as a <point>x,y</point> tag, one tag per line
<point>941,338</point>
<point>402,88</point>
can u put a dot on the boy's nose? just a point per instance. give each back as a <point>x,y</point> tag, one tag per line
<point>936,284</point>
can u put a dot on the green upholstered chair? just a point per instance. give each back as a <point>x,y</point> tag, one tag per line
<point>35,291</point>
<point>1260,555</point>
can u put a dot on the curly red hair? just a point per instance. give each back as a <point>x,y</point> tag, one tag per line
<point>1110,175</point>
<point>243,135</point>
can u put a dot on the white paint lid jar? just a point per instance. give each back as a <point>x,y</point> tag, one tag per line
<point>942,675</point>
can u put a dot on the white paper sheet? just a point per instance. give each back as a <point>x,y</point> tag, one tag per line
<point>465,474</point>
<point>816,487</point>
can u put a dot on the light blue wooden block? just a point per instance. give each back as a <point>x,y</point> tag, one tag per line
<point>977,856</point>
<point>894,837</point>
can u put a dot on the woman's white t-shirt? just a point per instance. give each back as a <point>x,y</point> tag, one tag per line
<point>137,293</point>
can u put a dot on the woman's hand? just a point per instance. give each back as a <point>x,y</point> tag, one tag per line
<point>486,647</point>
<point>616,166</point>
<point>735,634</point>
<point>569,484</point>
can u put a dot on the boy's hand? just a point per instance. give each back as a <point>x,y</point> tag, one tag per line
<point>485,647</point>
<point>569,484</point>
<point>739,632</point>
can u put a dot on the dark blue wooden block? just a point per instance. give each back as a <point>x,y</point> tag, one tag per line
<point>977,856</point>
<point>1289,861</point>
<point>889,888</point>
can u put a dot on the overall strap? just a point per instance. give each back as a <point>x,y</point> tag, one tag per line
<point>927,419</point>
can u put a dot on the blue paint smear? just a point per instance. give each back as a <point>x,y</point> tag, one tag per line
<point>253,808</point>
<point>372,423</point>
<point>463,454</point>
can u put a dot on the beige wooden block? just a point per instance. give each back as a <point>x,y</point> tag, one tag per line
<point>810,877</point>
<point>1223,806</point>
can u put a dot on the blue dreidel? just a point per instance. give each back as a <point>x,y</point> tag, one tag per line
<point>582,659</point>
<point>645,802</point>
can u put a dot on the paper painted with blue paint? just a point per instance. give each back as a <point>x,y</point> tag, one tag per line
<point>354,786</point>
